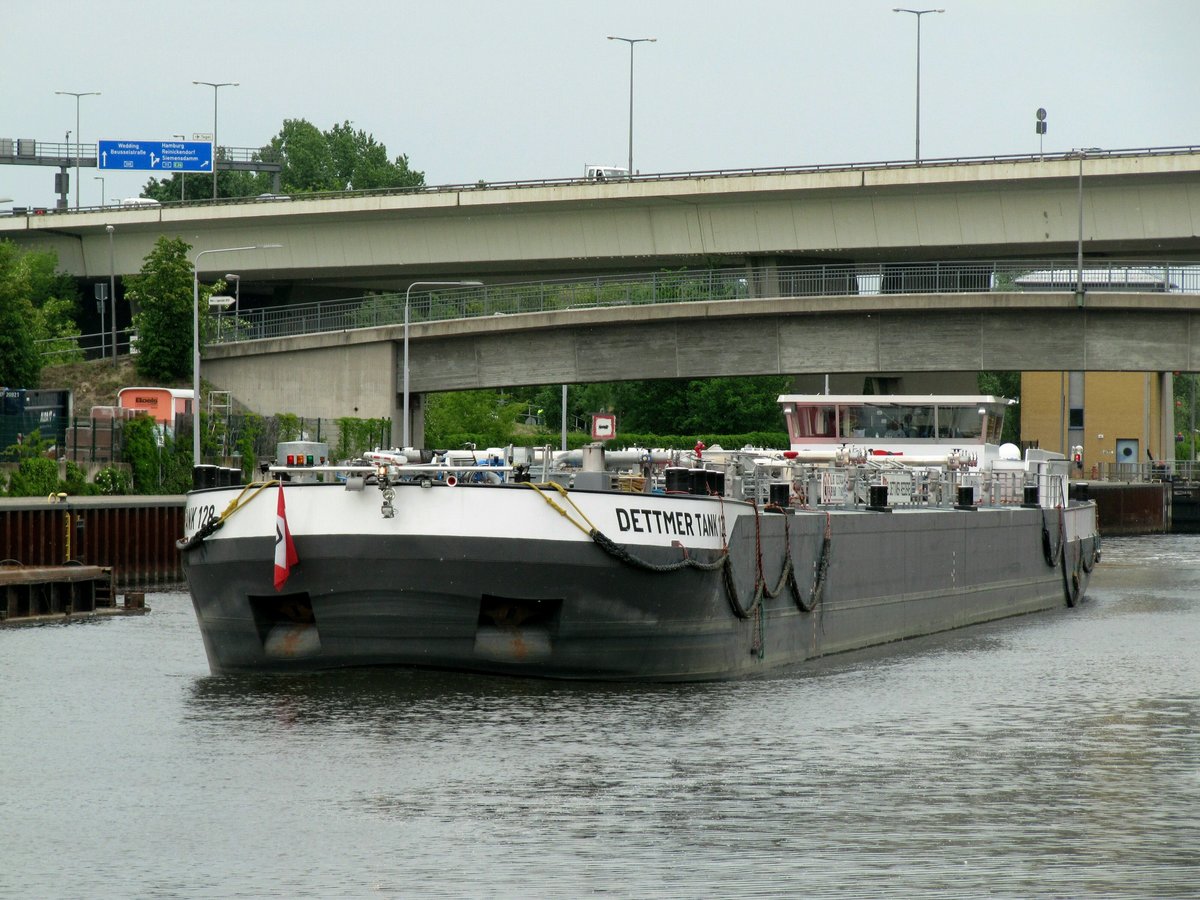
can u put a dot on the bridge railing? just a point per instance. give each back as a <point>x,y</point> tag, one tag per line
<point>241,156</point>
<point>375,310</point>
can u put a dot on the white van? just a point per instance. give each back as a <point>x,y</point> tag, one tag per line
<point>604,173</point>
<point>140,201</point>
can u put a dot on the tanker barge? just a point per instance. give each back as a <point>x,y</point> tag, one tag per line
<point>888,518</point>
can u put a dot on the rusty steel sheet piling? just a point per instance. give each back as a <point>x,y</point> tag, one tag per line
<point>133,536</point>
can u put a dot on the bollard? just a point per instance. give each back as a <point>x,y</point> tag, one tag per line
<point>715,481</point>
<point>779,494</point>
<point>204,476</point>
<point>677,480</point>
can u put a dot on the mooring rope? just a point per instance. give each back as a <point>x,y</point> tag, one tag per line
<point>724,562</point>
<point>611,547</point>
<point>216,524</point>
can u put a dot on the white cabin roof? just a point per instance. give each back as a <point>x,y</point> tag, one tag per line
<point>893,399</point>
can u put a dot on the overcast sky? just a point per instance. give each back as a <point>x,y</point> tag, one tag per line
<point>480,89</point>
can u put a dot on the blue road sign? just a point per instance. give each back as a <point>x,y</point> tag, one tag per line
<point>160,156</point>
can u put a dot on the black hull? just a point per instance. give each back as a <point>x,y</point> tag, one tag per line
<point>571,610</point>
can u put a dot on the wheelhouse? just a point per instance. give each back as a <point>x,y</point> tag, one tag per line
<point>825,421</point>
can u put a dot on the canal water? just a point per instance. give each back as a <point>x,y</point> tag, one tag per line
<point>1056,755</point>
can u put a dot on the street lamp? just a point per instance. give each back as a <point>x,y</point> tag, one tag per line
<point>183,175</point>
<point>216,86</point>
<point>196,338</point>
<point>407,294</point>
<point>100,178</point>
<point>918,13</point>
<point>112,290</point>
<point>237,290</point>
<point>77,95</point>
<point>631,42</point>
<point>1082,152</point>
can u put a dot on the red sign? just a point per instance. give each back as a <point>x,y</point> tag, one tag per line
<point>604,427</point>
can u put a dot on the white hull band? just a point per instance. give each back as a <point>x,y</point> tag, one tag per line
<point>496,579</point>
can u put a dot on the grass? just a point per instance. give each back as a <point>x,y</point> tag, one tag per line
<point>94,382</point>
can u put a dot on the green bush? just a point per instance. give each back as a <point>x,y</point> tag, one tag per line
<point>113,481</point>
<point>289,426</point>
<point>158,465</point>
<point>34,477</point>
<point>357,435</point>
<point>249,432</point>
<point>76,482</point>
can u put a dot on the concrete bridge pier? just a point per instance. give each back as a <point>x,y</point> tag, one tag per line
<point>762,277</point>
<point>416,426</point>
<point>1166,415</point>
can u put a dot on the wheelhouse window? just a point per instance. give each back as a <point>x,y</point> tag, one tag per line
<point>864,421</point>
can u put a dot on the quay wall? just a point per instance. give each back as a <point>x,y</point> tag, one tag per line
<point>134,535</point>
<point>1185,508</point>
<point>1128,508</point>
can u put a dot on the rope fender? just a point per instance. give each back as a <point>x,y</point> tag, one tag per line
<point>1090,559</point>
<point>787,577</point>
<point>1052,555</point>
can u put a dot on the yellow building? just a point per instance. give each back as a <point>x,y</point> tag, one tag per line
<point>1116,417</point>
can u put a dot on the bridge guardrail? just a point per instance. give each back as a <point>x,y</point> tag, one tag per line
<point>268,155</point>
<point>374,310</point>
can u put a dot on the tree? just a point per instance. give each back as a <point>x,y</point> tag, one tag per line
<point>37,303</point>
<point>729,404</point>
<point>313,161</point>
<point>1005,384</point>
<point>484,417</point>
<point>361,164</point>
<point>20,365</point>
<point>738,405</point>
<point>158,464</point>
<point>308,165</point>
<point>198,186</point>
<point>162,297</point>
<point>339,159</point>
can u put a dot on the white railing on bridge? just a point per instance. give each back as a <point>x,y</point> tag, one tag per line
<point>375,310</point>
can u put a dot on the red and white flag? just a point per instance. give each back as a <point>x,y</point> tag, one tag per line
<point>285,550</point>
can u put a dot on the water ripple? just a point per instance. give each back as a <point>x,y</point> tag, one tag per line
<point>1049,756</point>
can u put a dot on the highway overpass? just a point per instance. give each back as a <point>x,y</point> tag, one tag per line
<point>1136,203</point>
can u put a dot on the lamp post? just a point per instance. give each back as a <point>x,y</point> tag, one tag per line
<point>183,175</point>
<point>100,178</point>
<point>216,86</point>
<point>407,295</point>
<point>77,95</point>
<point>918,13</point>
<point>196,338</point>
<point>631,42</point>
<point>1083,152</point>
<point>112,290</point>
<point>237,291</point>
